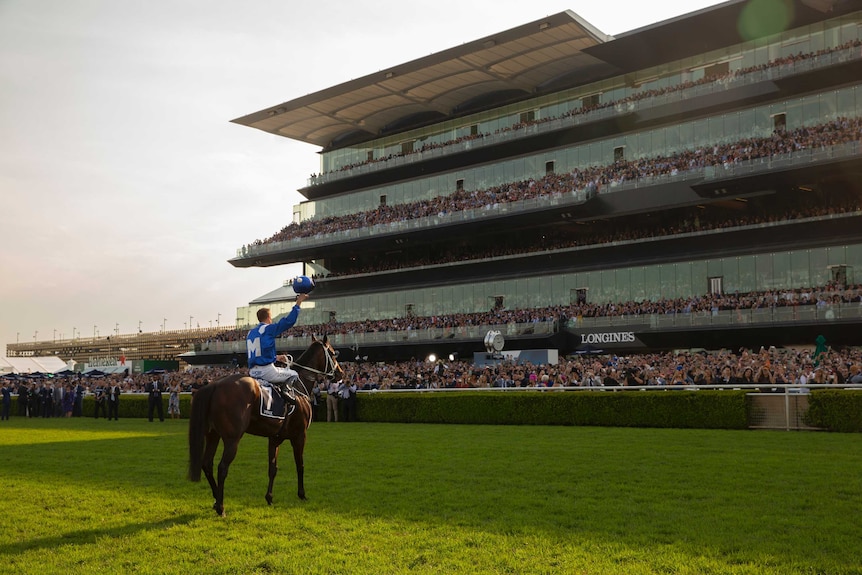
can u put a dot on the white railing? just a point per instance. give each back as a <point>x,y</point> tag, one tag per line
<point>469,333</point>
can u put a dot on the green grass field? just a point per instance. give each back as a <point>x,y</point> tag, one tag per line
<point>92,496</point>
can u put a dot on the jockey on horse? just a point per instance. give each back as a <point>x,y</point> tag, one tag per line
<point>260,344</point>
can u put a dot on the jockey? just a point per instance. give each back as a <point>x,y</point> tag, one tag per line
<point>260,344</point>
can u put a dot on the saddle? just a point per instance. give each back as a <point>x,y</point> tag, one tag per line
<point>273,403</point>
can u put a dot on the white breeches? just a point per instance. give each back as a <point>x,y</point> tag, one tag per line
<point>271,373</point>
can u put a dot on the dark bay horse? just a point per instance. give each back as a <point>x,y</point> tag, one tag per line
<point>230,407</point>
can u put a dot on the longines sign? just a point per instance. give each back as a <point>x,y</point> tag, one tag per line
<point>609,339</point>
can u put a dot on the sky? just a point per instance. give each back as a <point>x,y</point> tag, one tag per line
<point>125,188</point>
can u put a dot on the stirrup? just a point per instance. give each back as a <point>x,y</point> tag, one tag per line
<point>287,392</point>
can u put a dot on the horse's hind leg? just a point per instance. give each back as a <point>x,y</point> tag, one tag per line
<point>273,467</point>
<point>227,457</point>
<point>212,439</point>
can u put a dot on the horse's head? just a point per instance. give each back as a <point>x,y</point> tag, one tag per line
<point>331,366</point>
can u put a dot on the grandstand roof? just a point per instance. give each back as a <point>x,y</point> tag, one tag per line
<point>282,293</point>
<point>507,66</point>
<point>554,53</point>
<point>712,28</point>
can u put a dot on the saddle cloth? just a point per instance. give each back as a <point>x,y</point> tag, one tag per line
<point>271,402</point>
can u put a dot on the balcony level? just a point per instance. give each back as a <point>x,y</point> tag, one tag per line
<point>731,329</point>
<point>781,82</point>
<point>774,174</point>
<point>798,234</point>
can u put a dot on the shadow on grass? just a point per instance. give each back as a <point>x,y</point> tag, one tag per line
<point>732,495</point>
<point>91,536</point>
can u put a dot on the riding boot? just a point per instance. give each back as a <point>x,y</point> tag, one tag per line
<point>286,388</point>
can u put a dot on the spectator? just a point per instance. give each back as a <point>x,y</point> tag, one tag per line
<point>68,400</point>
<point>113,397</point>
<point>347,393</point>
<point>332,402</point>
<point>99,402</point>
<point>154,389</point>
<point>174,401</point>
<point>6,390</point>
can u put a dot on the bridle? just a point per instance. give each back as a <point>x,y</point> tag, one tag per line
<point>331,363</point>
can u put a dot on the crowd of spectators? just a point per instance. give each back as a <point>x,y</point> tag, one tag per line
<point>51,397</point>
<point>835,132</point>
<point>678,221</point>
<point>769,370</point>
<point>770,367</point>
<point>41,386</point>
<point>43,395</point>
<point>621,104</point>
<point>708,304</point>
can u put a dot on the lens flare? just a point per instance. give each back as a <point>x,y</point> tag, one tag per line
<point>762,18</point>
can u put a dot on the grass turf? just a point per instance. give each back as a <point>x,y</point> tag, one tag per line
<point>92,496</point>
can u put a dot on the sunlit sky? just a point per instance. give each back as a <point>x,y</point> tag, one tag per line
<point>125,188</point>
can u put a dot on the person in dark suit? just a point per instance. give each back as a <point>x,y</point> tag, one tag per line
<point>113,400</point>
<point>78,407</point>
<point>99,402</point>
<point>23,400</point>
<point>35,401</point>
<point>7,400</point>
<point>47,396</point>
<point>154,388</point>
<point>57,390</point>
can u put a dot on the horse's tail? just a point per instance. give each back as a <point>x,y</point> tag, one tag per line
<point>198,424</point>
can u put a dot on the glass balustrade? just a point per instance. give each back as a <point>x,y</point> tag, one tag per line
<point>754,77</point>
<point>796,159</point>
<point>639,323</point>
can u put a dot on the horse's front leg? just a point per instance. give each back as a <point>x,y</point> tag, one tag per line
<point>273,467</point>
<point>298,444</point>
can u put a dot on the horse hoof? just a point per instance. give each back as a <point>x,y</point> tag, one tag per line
<point>269,499</point>
<point>301,496</point>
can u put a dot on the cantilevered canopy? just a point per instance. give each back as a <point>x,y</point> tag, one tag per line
<point>725,24</point>
<point>508,66</point>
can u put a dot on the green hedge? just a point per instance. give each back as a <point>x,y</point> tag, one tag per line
<point>835,410</point>
<point>137,405</point>
<point>679,409</point>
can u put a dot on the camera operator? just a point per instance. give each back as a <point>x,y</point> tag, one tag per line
<point>633,377</point>
<point>99,401</point>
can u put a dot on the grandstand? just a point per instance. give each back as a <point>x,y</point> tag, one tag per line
<point>521,181</point>
<point>137,351</point>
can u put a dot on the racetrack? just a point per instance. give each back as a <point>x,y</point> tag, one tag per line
<point>88,496</point>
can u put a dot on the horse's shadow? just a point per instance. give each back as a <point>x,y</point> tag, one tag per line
<point>92,536</point>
